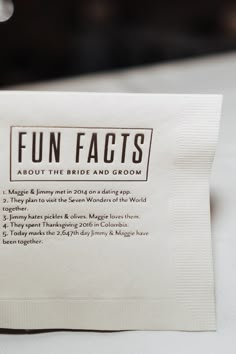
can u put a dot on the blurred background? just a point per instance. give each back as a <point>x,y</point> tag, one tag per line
<point>51,39</point>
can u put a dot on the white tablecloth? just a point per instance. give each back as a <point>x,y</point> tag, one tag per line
<point>210,75</point>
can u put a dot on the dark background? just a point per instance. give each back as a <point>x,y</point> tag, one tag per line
<point>57,38</point>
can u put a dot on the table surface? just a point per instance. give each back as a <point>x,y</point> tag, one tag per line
<point>208,75</point>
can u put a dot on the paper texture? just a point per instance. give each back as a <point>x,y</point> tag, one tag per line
<point>105,211</point>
